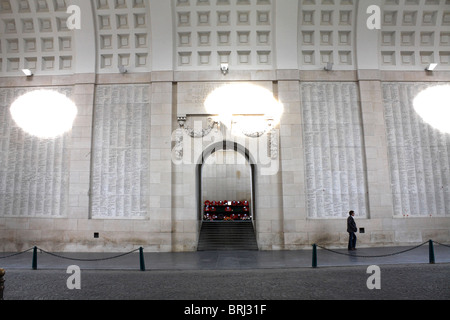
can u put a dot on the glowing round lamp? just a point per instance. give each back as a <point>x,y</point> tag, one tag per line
<point>243,99</point>
<point>433,106</point>
<point>44,113</point>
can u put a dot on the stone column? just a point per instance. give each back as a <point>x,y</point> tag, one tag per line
<point>286,34</point>
<point>85,48</point>
<point>160,203</point>
<point>378,180</point>
<point>375,140</point>
<point>292,165</point>
<point>80,152</point>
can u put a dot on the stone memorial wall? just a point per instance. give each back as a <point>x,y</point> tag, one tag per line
<point>334,153</point>
<point>120,161</point>
<point>34,173</point>
<point>419,155</point>
<point>128,171</point>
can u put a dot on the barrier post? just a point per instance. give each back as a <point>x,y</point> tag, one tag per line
<point>141,259</point>
<point>2,281</point>
<point>431,251</point>
<point>34,263</point>
<point>314,256</point>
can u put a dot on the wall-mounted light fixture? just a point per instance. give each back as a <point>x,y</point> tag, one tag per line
<point>329,66</point>
<point>224,67</point>
<point>27,72</point>
<point>122,69</point>
<point>431,67</point>
<point>181,120</point>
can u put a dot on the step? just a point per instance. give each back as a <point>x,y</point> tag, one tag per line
<point>227,235</point>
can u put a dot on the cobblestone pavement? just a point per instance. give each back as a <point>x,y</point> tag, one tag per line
<point>398,282</point>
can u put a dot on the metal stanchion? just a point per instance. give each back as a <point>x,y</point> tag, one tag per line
<point>141,259</point>
<point>431,251</point>
<point>34,262</point>
<point>314,256</point>
<point>2,283</point>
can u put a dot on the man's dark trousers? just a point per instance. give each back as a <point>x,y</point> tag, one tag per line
<point>351,240</point>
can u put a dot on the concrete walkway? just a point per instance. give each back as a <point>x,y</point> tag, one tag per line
<point>227,260</point>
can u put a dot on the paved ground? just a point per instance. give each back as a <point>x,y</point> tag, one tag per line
<point>405,274</point>
<point>398,282</point>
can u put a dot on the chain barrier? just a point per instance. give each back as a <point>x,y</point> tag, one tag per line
<point>80,259</point>
<point>375,256</point>
<point>34,261</point>
<point>63,257</point>
<point>142,262</point>
<point>35,249</point>
<point>16,254</point>
<point>441,244</point>
<point>431,256</point>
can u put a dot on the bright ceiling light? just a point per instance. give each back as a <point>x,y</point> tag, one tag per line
<point>44,113</point>
<point>27,72</point>
<point>433,106</point>
<point>250,125</point>
<point>431,67</point>
<point>243,99</point>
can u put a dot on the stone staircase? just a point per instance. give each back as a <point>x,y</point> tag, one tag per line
<point>227,235</point>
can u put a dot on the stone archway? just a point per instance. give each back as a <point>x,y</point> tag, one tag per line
<point>217,150</point>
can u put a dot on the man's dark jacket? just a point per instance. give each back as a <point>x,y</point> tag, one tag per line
<point>351,225</point>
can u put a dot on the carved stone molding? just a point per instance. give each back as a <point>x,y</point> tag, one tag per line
<point>193,132</point>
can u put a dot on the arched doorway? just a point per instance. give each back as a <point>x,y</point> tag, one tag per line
<point>225,197</point>
<point>228,156</point>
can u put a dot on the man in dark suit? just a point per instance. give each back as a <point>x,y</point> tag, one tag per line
<point>351,229</point>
